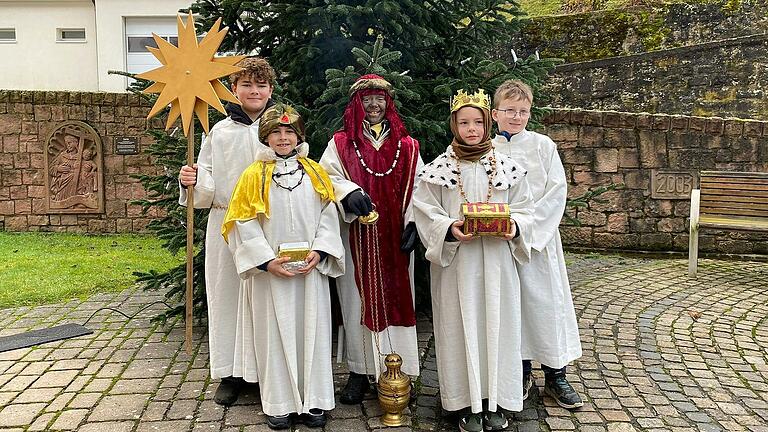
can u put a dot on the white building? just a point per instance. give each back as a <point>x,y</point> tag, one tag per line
<point>72,44</point>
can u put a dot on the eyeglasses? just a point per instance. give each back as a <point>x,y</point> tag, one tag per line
<point>514,113</point>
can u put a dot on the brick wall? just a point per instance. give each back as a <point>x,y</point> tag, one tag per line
<point>603,147</point>
<point>27,117</point>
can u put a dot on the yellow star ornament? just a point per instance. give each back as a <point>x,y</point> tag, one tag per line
<point>188,79</point>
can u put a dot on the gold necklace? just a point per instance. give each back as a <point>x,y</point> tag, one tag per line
<point>491,177</point>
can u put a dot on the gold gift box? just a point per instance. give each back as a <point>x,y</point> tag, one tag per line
<point>486,219</point>
<point>295,251</point>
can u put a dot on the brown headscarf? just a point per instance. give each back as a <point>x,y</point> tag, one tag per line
<point>471,152</point>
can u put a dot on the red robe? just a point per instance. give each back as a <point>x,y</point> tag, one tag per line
<point>391,194</point>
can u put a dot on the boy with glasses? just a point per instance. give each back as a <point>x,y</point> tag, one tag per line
<point>550,333</point>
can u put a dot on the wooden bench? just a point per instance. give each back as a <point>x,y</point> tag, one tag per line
<point>727,201</point>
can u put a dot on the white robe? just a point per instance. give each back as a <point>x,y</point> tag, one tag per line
<point>550,331</point>
<point>475,292</point>
<point>284,324</point>
<point>227,151</point>
<point>360,343</point>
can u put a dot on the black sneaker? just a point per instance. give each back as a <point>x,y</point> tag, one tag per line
<point>527,384</point>
<point>354,391</point>
<point>315,418</point>
<point>279,422</point>
<point>494,421</point>
<point>471,423</point>
<point>561,390</point>
<point>228,390</point>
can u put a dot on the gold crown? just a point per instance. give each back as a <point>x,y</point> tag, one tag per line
<point>478,100</point>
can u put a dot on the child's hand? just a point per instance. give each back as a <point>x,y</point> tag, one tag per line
<point>512,234</point>
<point>188,175</point>
<point>275,267</point>
<point>312,260</point>
<point>458,233</point>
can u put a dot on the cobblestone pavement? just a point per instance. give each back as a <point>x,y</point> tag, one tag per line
<point>661,353</point>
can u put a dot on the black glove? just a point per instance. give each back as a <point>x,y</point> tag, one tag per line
<point>357,203</point>
<point>408,240</point>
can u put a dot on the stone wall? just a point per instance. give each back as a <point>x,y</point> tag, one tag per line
<point>27,117</point>
<point>619,32</point>
<point>600,148</point>
<point>726,78</point>
<point>597,148</point>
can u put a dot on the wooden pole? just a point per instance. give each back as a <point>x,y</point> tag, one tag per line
<point>190,241</point>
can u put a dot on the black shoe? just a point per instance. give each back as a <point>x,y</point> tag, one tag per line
<point>527,384</point>
<point>354,392</point>
<point>494,421</point>
<point>315,418</point>
<point>561,390</point>
<point>472,422</point>
<point>279,422</point>
<point>228,390</point>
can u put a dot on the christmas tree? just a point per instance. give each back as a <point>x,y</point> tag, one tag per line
<point>428,50</point>
<point>443,46</point>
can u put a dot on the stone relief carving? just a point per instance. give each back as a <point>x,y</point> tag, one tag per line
<point>75,173</point>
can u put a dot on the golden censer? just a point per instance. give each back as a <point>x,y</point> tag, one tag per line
<point>394,391</point>
<point>369,219</point>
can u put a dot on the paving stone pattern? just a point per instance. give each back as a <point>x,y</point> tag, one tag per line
<point>661,353</point>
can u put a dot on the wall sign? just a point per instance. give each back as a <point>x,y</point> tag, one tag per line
<point>666,184</point>
<point>126,145</point>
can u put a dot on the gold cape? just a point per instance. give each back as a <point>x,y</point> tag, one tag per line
<point>251,195</point>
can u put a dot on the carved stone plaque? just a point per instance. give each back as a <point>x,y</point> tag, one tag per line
<point>666,184</point>
<point>74,180</point>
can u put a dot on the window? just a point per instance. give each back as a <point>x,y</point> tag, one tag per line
<point>7,35</point>
<point>70,35</point>
<point>138,44</point>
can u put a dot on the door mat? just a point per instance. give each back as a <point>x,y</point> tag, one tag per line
<point>37,337</point>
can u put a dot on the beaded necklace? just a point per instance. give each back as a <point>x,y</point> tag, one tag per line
<point>275,176</point>
<point>491,177</point>
<point>375,173</point>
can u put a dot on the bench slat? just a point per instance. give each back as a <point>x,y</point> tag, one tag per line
<point>736,223</point>
<point>729,192</point>
<point>733,199</point>
<point>733,174</point>
<point>734,179</point>
<point>738,186</point>
<point>731,205</point>
<point>737,212</point>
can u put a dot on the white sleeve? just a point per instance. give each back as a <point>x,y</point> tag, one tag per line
<point>408,217</point>
<point>328,240</point>
<point>204,186</point>
<point>549,208</point>
<point>249,247</point>
<point>433,223</point>
<point>342,186</point>
<point>521,211</point>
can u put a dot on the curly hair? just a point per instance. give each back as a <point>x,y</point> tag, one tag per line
<point>255,68</point>
<point>512,89</point>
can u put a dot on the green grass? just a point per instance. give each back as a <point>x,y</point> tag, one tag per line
<point>38,268</point>
<point>540,7</point>
<point>536,8</point>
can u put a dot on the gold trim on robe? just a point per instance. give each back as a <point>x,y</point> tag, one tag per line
<point>251,195</point>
